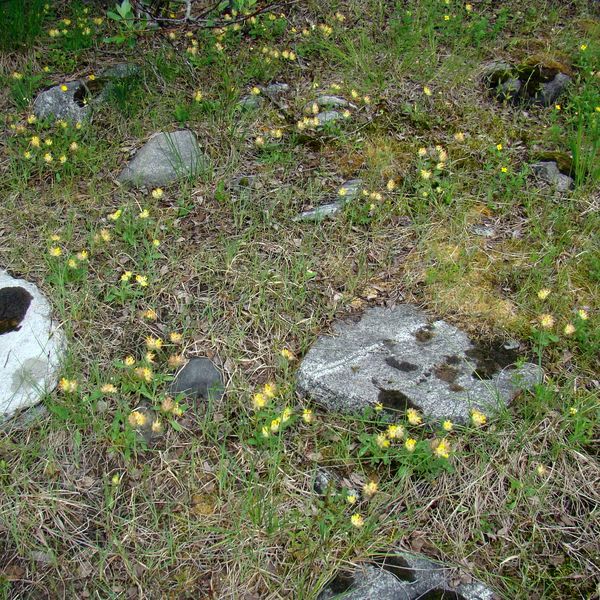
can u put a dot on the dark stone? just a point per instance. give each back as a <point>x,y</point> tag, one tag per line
<point>199,379</point>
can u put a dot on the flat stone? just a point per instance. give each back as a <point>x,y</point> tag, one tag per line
<point>250,101</point>
<point>67,105</point>
<point>399,357</point>
<point>328,116</point>
<point>276,89</point>
<point>330,209</point>
<point>403,576</point>
<point>549,172</point>
<point>165,158</point>
<point>121,71</point>
<point>199,379</point>
<point>327,101</point>
<point>486,231</point>
<point>31,346</point>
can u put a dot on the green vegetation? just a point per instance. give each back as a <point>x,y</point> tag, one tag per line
<point>122,491</point>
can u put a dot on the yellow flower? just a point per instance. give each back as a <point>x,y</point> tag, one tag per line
<point>583,47</point>
<point>583,314</point>
<point>422,152</point>
<point>427,91</point>
<point>275,423</point>
<point>108,388</point>
<point>31,119</point>
<point>351,498</point>
<point>478,418</point>
<point>48,157</point>
<point>145,374</point>
<point>27,154</point>
<point>175,361</point>
<point>144,214</point>
<point>382,441</point>
<point>307,415</point>
<point>546,321</point>
<point>277,133</point>
<point>391,185</point>
<point>153,343</point>
<point>105,235</point>
<point>55,251</point>
<point>543,293</point>
<point>468,7</point>
<point>255,91</point>
<point>64,88</point>
<point>116,215</point>
<point>446,17</point>
<point>270,390</point>
<point>459,136</point>
<point>35,141</point>
<point>126,276</point>
<point>98,20</point>
<point>55,237</point>
<point>413,416</point>
<point>71,263</point>
<point>137,419</point>
<point>287,354</point>
<point>265,432</point>
<point>425,174</point>
<point>573,410</point>
<point>286,415</point>
<point>156,243</point>
<point>447,425</point>
<point>48,142</point>
<point>346,113</point>
<point>198,96</point>
<point>259,141</point>
<point>62,159</point>
<point>369,489</point>
<point>410,444</point>
<point>17,75</point>
<point>499,146</point>
<point>395,432</point>
<point>259,400</point>
<point>73,146</point>
<point>569,329</point>
<point>68,385</point>
<point>442,449</point>
<point>157,193</point>
<point>156,426</point>
<point>557,106</point>
<point>357,520</point>
<point>378,407</point>
<point>141,280</point>
<point>367,99</point>
<point>504,170</point>
<point>541,470</point>
<point>129,361</point>
<point>175,337</point>
<point>167,404</point>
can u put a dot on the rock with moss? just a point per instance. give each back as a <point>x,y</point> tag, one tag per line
<point>401,358</point>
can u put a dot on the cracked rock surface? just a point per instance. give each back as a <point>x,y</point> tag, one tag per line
<point>401,358</point>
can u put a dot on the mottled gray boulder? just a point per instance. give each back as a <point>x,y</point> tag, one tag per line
<point>327,101</point>
<point>68,105</point>
<point>401,358</point>
<point>199,379</point>
<point>31,346</point>
<point>403,576</point>
<point>249,101</point>
<point>164,158</point>
<point>548,172</point>
<point>550,91</point>
<point>328,116</point>
<point>352,187</point>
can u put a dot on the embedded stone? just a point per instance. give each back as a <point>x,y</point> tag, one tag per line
<point>199,379</point>
<point>31,346</point>
<point>406,576</point>
<point>548,172</point>
<point>165,158</point>
<point>68,105</point>
<point>330,209</point>
<point>400,358</point>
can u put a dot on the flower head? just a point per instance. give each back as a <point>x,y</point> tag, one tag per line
<point>478,418</point>
<point>382,441</point>
<point>357,520</point>
<point>447,425</point>
<point>153,343</point>
<point>442,449</point>
<point>270,390</point>
<point>410,444</point>
<point>369,489</point>
<point>129,361</point>
<point>395,432</point>
<point>108,388</point>
<point>137,418</point>
<point>546,321</point>
<point>145,374</point>
<point>55,251</point>
<point>427,90</point>
<point>583,314</point>
<point>543,293</point>
<point>157,193</point>
<point>569,329</point>
<point>413,416</point>
<point>68,385</point>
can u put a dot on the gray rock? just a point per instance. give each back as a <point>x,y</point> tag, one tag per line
<point>352,187</point>
<point>199,379</point>
<point>550,91</point>
<point>549,172</point>
<point>486,231</point>
<point>276,89</point>
<point>398,357</point>
<point>67,105</point>
<point>322,482</point>
<point>166,157</point>
<point>327,101</point>
<point>250,101</point>
<point>328,116</point>
<point>121,71</point>
<point>31,346</point>
<point>403,576</point>
<point>509,89</point>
